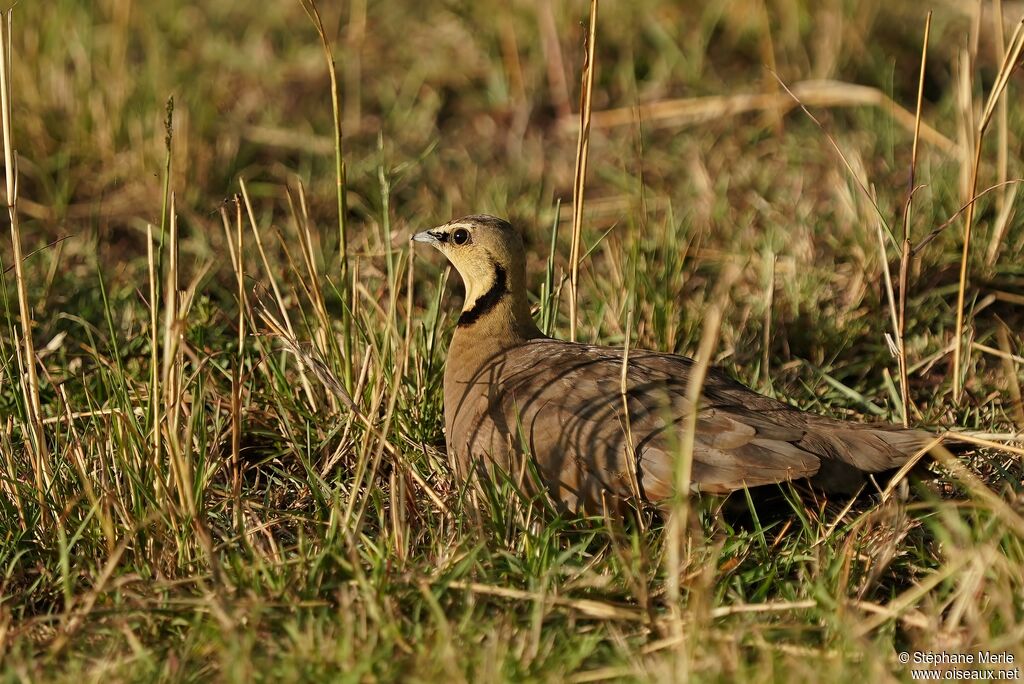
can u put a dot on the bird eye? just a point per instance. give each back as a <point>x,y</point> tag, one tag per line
<point>460,236</point>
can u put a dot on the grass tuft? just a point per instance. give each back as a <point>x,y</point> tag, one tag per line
<point>221,443</point>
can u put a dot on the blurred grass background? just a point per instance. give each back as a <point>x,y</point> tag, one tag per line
<point>326,544</point>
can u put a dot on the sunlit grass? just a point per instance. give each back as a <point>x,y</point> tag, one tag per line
<point>218,502</point>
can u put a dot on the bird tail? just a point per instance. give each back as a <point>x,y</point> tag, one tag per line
<point>874,448</point>
<point>849,451</point>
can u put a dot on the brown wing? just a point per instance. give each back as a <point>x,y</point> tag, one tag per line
<point>566,404</point>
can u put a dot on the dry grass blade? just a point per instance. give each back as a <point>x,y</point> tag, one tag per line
<point>558,84</point>
<point>607,674</point>
<point>776,607</point>
<point>594,609</point>
<point>896,608</point>
<point>769,310</point>
<point>908,617</point>
<point>1002,122</point>
<point>304,232</point>
<point>908,466</point>
<point>797,98</point>
<point>236,367</point>
<point>683,468</point>
<point>155,388</point>
<point>1012,382</point>
<point>736,609</point>
<point>1010,63</point>
<point>1005,354</point>
<point>634,481</point>
<point>580,174</point>
<point>894,315</point>
<point>26,353</point>
<point>58,242</point>
<point>905,248</point>
<point>318,368</point>
<point>323,373</point>
<point>935,232</point>
<point>76,614</point>
<point>988,441</point>
<point>340,183</point>
<point>173,371</point>
<point>78,457</point>
<point>696,110</point>
<point>1002,222</point>
<point>273,284</point>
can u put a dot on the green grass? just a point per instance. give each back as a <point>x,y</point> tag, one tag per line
<point>331,541</point>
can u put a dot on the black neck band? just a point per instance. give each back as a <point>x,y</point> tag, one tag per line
<point>489,299</point>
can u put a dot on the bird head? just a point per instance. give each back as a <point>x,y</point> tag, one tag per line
<point>488,254</point>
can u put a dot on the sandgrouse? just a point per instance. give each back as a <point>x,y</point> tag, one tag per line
<point>512,394</point>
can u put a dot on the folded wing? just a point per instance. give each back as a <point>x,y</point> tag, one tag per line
<point>589,432</point>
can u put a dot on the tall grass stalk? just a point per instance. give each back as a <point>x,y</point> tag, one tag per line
<point>580,173</point>
<point>905,246</point>
<point>155,388</point>
<point>679,516</point>
<point>238,367</point>
<point>274,286</point>
<point>347,282</point>
<point>1011,60</point>
<point>29,378</point>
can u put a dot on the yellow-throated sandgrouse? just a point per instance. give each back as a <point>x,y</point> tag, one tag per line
<point>510,393</point>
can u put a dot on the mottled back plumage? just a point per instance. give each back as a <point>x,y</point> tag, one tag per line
<point>512,394</point>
